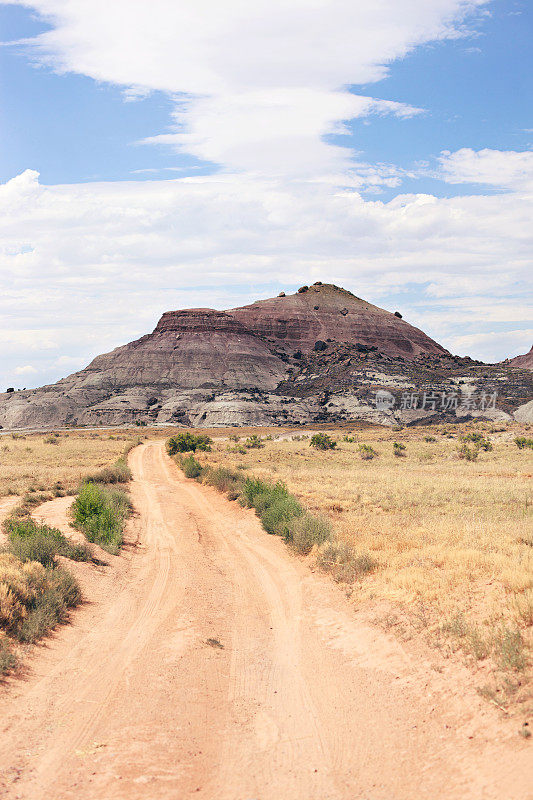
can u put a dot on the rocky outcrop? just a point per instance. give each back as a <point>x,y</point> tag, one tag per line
<point>320,355</point>
<point>197,348</point>
<point>326,312</point>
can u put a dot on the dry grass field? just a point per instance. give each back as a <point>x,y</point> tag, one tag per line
<point>451,539</point>
<point>39,462</point>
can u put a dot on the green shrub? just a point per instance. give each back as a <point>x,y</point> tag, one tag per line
<point>36,548</point>
<point>100,512</point>
<point>478,439</point>
<point>273,503</point>
<point>224,480</point>
<point>398,449</point>
<point>429,439</point>
<point>306,531</point>
<point>187,442</point>
<point>521,442</point>
<point>277,512</point>
<point>253,442</point>
<point>321,441</point>
<point>238,448</point>
<point>251,488</point>
<point>30,541</point>
<point>366,452</point>
<point>191,467</point>
<point>468,453</point>
<point>50,606</point>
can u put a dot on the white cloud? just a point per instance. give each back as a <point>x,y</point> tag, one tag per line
<point>513,343</point>
<point>503,168</point>
<point>275,131</point>
<point>90,266</point>
<point>26,370</point>
<point>257,85</point>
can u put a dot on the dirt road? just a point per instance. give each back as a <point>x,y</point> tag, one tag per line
<point>210,663</point>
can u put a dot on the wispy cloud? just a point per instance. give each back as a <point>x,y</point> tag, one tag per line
<point>257,86</point>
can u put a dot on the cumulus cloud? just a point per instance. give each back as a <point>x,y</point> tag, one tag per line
<point>25,370</point>
<point>515,342</point>
<point>503,168</point>
<point>96,264</point>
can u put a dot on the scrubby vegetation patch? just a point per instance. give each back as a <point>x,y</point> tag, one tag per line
<point>100,512</point>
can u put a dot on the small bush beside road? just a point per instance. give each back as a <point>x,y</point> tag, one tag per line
<point>187,443</point>
<point>100,512</point>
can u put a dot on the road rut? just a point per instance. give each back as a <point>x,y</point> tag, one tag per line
<point>210,663</point>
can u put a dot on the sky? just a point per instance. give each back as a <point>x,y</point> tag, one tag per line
<point>166,155</point>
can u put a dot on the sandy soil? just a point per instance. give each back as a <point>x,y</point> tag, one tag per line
<point>6,504</point>
<point>208,662</point>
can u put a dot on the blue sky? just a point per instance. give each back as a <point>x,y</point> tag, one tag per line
<point>421,203</point>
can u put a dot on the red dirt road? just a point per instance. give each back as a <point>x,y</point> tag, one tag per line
<point>299,702</point>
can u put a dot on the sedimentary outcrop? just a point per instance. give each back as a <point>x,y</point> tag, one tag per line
<point>315,356</point>
<point>324,311</point>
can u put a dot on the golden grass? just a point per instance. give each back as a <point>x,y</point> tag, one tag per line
<point>32,462</point>
<point>453,536</point>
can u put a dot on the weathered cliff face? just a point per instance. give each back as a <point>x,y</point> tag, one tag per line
<point>522,362</point>
<point>197,348</point>
<point>194,350</point>
<point>325,311</point>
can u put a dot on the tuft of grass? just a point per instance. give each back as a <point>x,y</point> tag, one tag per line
<point>478,439</point>
<point>33,598</point>
<point>468,636</point>
<point>521,442</point>
<point>100,512</point>
<point>119,472</point>
<point>343,562</point>
<point>50,606</point>
<point>30,541</point>
<point>8,659</point>
<point>253,442</point>
<point>468,453</point>
<point>307,531</point>
<point>366,452</point>
<point>216,643</point>
<point>510,650</point>
<point>398,449</point>
<point>191,467</point>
